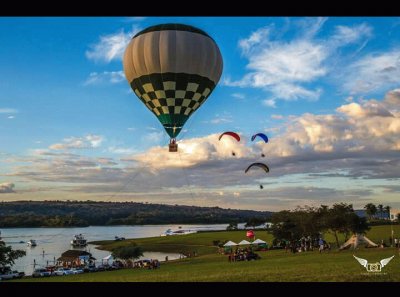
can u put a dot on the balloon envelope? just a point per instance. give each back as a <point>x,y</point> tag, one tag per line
<point>172,69</point>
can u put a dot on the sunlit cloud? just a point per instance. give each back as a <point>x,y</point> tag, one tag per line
<point>7,188</point>
<point>88,141</point>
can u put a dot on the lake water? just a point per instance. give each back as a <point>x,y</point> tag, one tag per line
<point>52,242</point>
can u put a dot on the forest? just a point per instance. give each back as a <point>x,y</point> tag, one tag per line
<point>86,213</point>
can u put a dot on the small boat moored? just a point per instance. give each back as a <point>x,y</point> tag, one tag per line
<point>31,242</point>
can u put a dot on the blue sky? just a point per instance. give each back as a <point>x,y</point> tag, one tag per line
<point>325,90</point>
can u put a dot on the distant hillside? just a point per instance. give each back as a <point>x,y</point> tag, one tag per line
<point>85,213</point>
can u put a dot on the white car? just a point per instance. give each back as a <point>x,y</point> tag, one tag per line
<point>76,270</point>
<point>63,271</point>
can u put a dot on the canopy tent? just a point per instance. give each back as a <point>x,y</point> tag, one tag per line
<point>356,240</point>
<point>230,243</point>
<point>244,242</point>
<point>258,241</point>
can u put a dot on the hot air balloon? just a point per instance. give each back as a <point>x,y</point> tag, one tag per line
<point>260,165</point>
<point>250,234</point>
<point>172,68</point>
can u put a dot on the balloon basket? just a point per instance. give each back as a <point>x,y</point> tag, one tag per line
<point>173,147</point>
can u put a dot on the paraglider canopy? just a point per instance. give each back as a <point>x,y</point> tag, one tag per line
<point>261,165</point>
<point>261,135</point>
<point>232,134</point>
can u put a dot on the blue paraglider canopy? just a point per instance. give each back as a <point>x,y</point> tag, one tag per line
<point>261,135</point>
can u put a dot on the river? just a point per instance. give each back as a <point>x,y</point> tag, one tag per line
<point>52,242</point>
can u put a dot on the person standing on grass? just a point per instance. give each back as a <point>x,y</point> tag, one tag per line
<point>321,245</point>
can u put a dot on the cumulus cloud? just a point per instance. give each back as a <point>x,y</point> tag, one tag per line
<point>111,47</point>
<point>113,77</point>
<point>285,68</point>
<point>7,188</point>
<point>88,141</point>
<point>360,141</point>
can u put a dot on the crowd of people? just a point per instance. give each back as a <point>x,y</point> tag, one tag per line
<point>242,254</point>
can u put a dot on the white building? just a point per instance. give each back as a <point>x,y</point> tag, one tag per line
<point>393,214</point>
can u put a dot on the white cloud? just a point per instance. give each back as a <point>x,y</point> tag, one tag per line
<point>345,35</point>
<point>254,39</point>
<point>277,116</point>
<point>111,47</point>
<point>121,150</point>
<point>238,95</point>
<point>10,117</point>
<point>222,118</point>
<point>154,137</point>
<point>285,68</point>
<point>88,141</point>
<point>269,103</point>
<point>373,72</point>
<point>8,110</point>
<point>7,188</point>
<point>112,77</point>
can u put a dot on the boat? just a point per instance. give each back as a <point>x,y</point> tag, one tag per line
<point>177,232</point>
<point>31,242</point>
<point>78,241</point>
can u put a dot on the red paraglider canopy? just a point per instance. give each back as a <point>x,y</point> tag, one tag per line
<point>250,234</point>
<point>233,134</point>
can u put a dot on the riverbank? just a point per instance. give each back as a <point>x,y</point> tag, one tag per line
<point>275,265</point>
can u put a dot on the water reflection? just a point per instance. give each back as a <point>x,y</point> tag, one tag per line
<point>52,242</point>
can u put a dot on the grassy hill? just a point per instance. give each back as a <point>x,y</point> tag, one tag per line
<point>274,266</point>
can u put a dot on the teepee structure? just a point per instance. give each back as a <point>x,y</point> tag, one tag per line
<point>356,240</point>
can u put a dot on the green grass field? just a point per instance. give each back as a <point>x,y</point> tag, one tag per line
<point>275,265</point>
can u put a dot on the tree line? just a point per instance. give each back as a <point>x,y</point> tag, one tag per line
<point>85,213</point>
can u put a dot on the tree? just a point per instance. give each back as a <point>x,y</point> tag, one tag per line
<point>342,219</point>
<point>370,209</point>
<point>254,221</point>
<point>130,252</point>
<point>387,210</point>
<point>8,255</point>
<point>232,226</point>
<point>380,209</point>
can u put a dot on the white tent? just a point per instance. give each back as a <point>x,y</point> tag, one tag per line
<point>243,242</point>
<point>230,243</point>
<point>356,240</point>
<point>258,241</point>
<point>107,258</point>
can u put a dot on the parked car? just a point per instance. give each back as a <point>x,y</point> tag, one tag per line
<point>8,275</point>
<point>76,270</point>
<point>63,271</point>
<point>40,272</point>
<point>18,274</point>
<point>90,268</point>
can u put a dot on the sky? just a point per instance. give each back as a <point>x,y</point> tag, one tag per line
<point>326,91</point>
